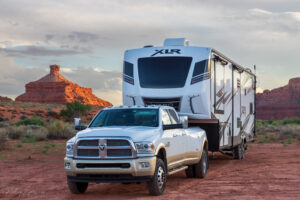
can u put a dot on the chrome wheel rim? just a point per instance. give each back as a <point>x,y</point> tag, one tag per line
<point>161,177</point>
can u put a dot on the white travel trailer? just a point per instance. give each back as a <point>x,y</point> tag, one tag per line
<point>215,93</point>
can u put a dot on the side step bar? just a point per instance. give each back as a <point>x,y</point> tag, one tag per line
<point>173,171</point>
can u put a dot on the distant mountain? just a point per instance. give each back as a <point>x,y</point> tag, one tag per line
<point>279,103</point>
<point>56,89</point>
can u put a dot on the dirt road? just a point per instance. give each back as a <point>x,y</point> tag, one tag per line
<point>269,171</point>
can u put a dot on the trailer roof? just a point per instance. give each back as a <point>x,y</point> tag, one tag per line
<point>235,64</point>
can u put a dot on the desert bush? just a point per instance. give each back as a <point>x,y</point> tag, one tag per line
<point>75,109</point>
<point>289,131</point>
<point>3,140</point>
<point>34,133</point>
<point>15,132</point>
<point>23,117</point>
<point>60,130</point>
<point>32,121</point>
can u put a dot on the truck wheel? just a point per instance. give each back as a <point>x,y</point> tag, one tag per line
<point>239,151</point>
<point>202,166</point>
<point>77,187</point>
<point>157,183</point>
<point>190,171</point>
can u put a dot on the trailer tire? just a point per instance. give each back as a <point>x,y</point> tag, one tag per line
<point>77,187</point>
<point>202,166</point>
<point>239,151</point>
<point>157,184</point>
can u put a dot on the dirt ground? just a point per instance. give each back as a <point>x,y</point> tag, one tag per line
<point>269,171</point>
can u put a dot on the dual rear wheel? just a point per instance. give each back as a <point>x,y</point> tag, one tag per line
<point>199,170</point>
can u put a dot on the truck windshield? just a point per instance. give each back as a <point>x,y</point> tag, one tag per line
<point>126,117</point>
<point>163,72</point>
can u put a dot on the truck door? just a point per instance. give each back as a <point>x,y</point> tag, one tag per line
<point>172,139</point>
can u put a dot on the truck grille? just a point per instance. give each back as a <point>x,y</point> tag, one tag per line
<point>173,102</point>
<point>104,148</point>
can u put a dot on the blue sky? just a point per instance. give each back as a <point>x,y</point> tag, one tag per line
<point>90,36</point>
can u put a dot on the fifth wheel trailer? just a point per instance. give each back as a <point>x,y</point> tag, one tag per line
<point>216,93</point>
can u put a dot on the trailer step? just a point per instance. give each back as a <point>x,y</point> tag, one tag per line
<point>173,171</point>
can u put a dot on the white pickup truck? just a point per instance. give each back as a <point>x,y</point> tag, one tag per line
<point>135,144</point>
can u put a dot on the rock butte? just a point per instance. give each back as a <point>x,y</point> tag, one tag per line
<point>56,89</point>
<point>279,103</point>
<point>5,99</point>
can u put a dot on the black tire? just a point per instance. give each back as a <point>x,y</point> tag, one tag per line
<point>157,183</point>
<point>202,166</point>
<point>77,187</point>
<point>190,171</point>
<point>239,151</point>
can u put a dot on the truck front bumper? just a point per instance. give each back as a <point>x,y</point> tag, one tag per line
<point>127,170</point>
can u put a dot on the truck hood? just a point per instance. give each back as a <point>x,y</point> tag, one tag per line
<point>136,133</point>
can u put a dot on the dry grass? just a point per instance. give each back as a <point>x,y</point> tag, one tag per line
<point>60,130</point>
<point>3,140</point>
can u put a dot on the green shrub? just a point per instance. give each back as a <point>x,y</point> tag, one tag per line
<point>75,109</point>
<point>60,130</point>
<point>261,139</point>
<point>290,141</point>
<point>3,140</point>
<point>32,121</point>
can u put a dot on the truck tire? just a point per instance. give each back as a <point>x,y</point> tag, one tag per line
<point>239,151</point>
<point>202,166</point>
<point>190,171</point>
<point>77,187</point>
<point>157,183</point>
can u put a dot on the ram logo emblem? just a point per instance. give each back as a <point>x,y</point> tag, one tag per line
<point>102,147</point>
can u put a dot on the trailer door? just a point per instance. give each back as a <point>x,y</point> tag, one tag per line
<point>236,107</point>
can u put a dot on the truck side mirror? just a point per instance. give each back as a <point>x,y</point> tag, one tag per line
<point>184,121</point>
<point>77,124</point>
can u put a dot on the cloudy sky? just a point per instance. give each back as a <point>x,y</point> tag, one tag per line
<point>88,37</point>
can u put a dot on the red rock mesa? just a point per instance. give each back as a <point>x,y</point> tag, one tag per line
<point>56,89</point>
<point>279,103</point>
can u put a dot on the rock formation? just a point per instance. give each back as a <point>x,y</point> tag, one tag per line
<point>56,89</point>
<point>279,103</point>
<point>5,99</point>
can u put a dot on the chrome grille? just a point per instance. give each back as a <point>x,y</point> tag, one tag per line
<point>173,102</point>
<point>104,148</point>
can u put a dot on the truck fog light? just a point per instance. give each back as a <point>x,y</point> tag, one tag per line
<point>144,164</point>
<point>67,165</point>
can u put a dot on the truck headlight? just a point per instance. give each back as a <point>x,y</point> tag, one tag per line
<point>70,150</point>
<point>145,148</point>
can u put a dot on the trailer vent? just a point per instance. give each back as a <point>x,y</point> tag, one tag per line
<point>173,102</point>
<point>176,42</point>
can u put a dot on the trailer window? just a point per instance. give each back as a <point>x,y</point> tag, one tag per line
<point>200,67</point>
<point>163,72</point>
<point>128,69</point>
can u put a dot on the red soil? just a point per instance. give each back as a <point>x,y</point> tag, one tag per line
<point>269,171</point>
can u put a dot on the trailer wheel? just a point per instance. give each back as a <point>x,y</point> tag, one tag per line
<point>77,187</point>
<point>239,151</point>
<point>202,166</point>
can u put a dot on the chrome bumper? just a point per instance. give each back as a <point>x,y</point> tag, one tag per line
<point>74,167</point>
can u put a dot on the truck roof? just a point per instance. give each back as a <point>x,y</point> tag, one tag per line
<point>138,107</point>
